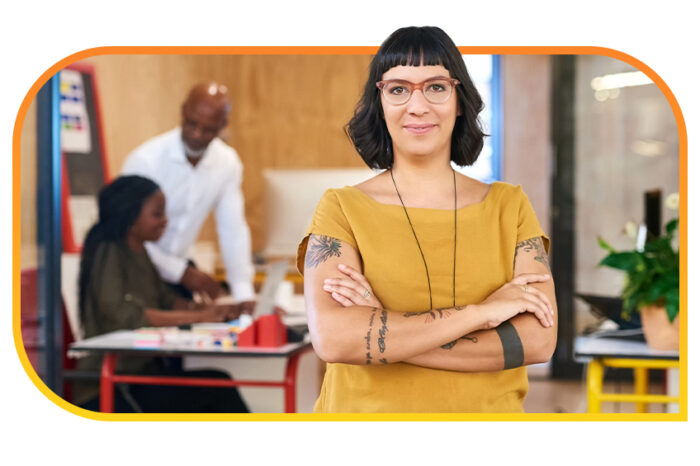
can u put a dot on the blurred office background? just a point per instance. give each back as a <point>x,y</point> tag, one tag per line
<point>584,152</point>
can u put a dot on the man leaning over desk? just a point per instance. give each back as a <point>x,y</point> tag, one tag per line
<point>199,173</point>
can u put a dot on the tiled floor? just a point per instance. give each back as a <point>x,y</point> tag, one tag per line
<point>569,396</point>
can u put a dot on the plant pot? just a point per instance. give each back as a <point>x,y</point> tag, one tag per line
<point>658,331</point>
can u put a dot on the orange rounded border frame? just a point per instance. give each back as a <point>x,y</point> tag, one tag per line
<point>353,50</point>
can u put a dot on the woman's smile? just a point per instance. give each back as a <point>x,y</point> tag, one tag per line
<point>419,128</point>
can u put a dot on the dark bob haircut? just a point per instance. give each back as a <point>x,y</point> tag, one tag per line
<point>416,46</point>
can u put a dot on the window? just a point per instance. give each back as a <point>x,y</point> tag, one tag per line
<point>485,73</point>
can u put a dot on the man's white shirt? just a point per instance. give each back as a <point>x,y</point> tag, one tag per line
<point>191,192</point>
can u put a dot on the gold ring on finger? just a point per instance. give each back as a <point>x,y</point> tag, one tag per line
<point>525,288</point>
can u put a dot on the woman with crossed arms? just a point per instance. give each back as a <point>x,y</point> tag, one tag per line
<point>426,290</point>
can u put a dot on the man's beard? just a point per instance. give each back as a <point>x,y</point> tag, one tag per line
<point>193,153</point>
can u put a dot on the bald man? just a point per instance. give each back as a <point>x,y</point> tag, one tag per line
<point>198,173</point>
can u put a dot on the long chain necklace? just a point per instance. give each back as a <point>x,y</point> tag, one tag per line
<point>454,254</point>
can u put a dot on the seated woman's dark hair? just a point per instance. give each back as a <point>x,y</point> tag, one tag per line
<point>120,204</point>
<point>416,46</point>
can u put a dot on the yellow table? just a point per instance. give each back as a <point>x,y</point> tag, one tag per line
<point>600,353</point>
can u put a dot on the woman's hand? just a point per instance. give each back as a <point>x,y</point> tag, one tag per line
<point>247,307</point>
<point>351,290</point>
<point>197,281</point>
<point>516,297</point>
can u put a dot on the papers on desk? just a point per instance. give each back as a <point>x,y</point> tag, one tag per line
<point>147,338</point>
<point>155,337</point>
<point>200,336</point>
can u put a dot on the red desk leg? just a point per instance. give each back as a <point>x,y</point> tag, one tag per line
<point>109,362</point>
<point>290,382</point>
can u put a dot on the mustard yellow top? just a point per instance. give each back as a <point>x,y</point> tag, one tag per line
<point>487,233</point>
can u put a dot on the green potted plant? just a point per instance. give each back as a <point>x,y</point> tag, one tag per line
<point>651,282</point>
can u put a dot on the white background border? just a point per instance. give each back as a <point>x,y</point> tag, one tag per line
<point>36,35</point>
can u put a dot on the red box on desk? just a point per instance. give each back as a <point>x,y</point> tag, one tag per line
<point>247,336</point>
<point>267,331</point>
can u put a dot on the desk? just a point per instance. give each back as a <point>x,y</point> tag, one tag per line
<point>114,344</point>
<point>614,352</point>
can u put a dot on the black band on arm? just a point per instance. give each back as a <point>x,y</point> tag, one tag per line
<point>513,355</point>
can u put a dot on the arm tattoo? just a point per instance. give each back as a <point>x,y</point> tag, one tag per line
<point>321,248</point>
<point>382,333</point>
<point>430,315</point>
<point>367,338</point>
<point>533,244</point>
<point>513,355</point>
<point>451,344</point>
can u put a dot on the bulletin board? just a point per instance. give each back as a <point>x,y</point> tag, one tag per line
<point>84,162</point>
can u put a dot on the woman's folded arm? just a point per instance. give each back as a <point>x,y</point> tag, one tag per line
<point>484,350</point>
<point>517,342</point>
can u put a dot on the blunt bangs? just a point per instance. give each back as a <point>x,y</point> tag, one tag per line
<point>410,50</point>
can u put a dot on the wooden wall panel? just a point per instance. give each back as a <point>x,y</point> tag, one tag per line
<point>288,110</point>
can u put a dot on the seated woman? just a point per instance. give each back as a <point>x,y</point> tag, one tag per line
<point>119,288</point>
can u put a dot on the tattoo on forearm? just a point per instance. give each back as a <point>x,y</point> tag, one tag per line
<point>533,244</point>
<point>367,338</point>
<point>513,354</point>
<point>432,314</point>
<point>382,332</point>
<point>451,344</point>
<point>321,249</point>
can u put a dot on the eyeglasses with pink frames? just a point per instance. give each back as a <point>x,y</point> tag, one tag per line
<point>435,90</point>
